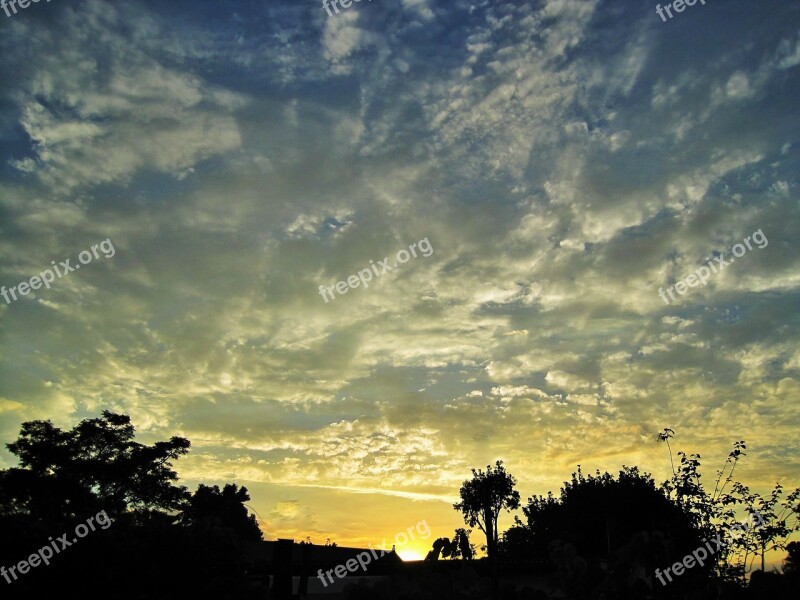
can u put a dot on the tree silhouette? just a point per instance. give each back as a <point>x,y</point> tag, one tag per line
<point>441,547</point>
<point>791,565</point>
<point>518,543</point>
<point>482,499</point>
<point>460,546</point>
<point>210,508</point>
<point>598,514</point>
<point>714,513</point>
<point>625,523</point>
<point>773,519</point>
<point>65,476</point>
<point>94,466</point>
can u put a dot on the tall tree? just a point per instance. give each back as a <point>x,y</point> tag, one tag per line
<point>66,475</point>
<point>97,465</point>
<point>482,499</point>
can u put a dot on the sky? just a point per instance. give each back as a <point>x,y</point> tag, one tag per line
<point>556,166</point>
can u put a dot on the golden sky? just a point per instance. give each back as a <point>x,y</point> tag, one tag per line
<point>564,159</point>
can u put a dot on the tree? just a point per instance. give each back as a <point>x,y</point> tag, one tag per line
<point>791,565</point>
<point>686,489</point>
<point>66,475</point>
<point>714,513</point>
<point>210,508</point>
<point>599,514</point>
<point>606,535</point>
<point>441,547</point>
<point>458,547</point>
<point>774,522</point>
<point>518,543</point>
<point>95,466</point>
<point>482,499</point>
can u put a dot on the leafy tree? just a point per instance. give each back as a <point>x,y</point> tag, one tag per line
<point>482,499</point>
<point>606,535</point>
<point>714,513</point>
<point>66,475</point>
<point>686,488</point>
<point>210,508</point>
<point>599,514</point>
<point>791,565</point>
<point>773,520</point>
<point>94,466</point>
<point>519,543</point>
<point>458,547</point>
<point>441,547</point>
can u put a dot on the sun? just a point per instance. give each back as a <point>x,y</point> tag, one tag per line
<point>410,554</point>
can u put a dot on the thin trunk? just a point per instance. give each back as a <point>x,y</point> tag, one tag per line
<point>491,548</point>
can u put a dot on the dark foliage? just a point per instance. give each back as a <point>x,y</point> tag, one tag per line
<point>211,509</point>
<point>95,466</point>
<point>148,548</point>
<point>484,496</point>
<point>599,514</point>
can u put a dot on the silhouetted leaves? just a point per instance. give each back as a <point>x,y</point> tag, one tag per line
<point>484,496</point>
<point>65,476</point>
<point>210,509</point>
<point>95,466</point>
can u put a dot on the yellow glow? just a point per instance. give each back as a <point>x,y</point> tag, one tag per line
<point>410,554</point>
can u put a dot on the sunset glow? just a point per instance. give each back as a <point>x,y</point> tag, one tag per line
<point>358,253</point>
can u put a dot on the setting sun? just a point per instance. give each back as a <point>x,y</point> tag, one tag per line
<point>411,554</point>
<point>400,299</point>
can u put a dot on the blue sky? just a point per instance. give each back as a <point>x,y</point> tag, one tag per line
<point>565,159</point>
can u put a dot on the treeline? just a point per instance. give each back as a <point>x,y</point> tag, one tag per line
<point>608,537</point>
<point>116,522</point>
<point>93,512</point>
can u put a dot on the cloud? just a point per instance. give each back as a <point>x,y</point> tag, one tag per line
<point>90,124</point>
<point>564,158</point>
